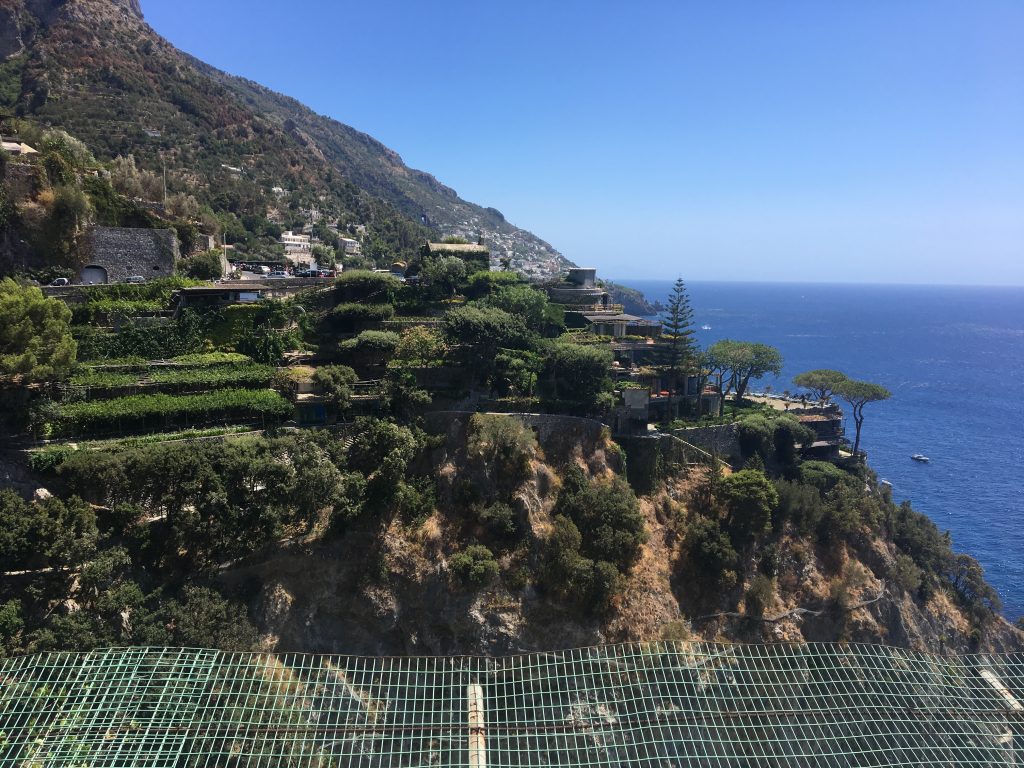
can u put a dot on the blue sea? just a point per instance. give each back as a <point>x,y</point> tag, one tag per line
<point>953,358</point>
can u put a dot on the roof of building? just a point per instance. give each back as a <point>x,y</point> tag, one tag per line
<point>458,247</point>
<point>617,317</point>
<point>656,704</point>
<point>19,148</point>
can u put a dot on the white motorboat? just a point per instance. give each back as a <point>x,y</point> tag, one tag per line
<point>919,457</point>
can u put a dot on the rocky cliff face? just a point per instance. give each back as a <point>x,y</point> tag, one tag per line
<point>387,588</point>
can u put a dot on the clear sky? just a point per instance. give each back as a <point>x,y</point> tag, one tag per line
<point>848,141</point>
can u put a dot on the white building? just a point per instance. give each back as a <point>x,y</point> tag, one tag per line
<point>298,249</point>
<point>351,247</point>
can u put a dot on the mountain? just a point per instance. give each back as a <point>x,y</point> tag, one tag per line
<point>96,69</point>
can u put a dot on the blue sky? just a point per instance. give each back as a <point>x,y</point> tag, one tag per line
<point>866,141</point>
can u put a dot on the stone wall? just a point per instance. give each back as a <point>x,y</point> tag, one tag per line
<point>122,252</point>
<point>720,439</point>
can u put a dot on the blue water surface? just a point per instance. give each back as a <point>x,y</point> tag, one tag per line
<point>953,358</point>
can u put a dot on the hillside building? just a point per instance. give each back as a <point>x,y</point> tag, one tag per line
<point>113,254</point>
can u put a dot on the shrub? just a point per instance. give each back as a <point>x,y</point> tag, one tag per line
<point>349,317</point>
<point>335,382</point>
<point>366,286</point>
<point>503,446</point>
<point>608,517</point>
<point>823,475</point>
<point>576,374</point>
<point>500,520</point>
<point>709,555</point>
<point>799,504</point>
<point>750,499</point>
<point>474,566</point>
<point>760,595</point>
<point>481,284</point>
<point>204,266</point>
<point>371,347</point>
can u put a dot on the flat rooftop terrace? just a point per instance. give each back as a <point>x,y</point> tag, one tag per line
<point>659,704</point>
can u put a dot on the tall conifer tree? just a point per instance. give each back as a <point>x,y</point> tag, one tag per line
<point>678,332</point>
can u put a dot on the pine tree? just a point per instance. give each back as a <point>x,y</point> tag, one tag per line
<point>677,330</point>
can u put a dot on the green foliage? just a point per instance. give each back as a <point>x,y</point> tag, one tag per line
<point>858,394</point>
<point>821,382</point>
<point>204,266</point>
<point>590,585</point>
<point>608,517</point>
<point>420,347</point>
<point>364,286</point>
<point>502,447</point>
<point>750,498</point>
<point>401,398</point>
<point>382,451</point>
<point>760,596</point>
<point>576,375</point>
<point>474,566</point>
<point>477,334</point>
<point>351,317</point>
<point>823,475</point>
<point>443,276</point>
<point>335,382</point>
<point>138,412</point>
<point>678,334</point>
<point>799,504</point>
<point>500,521</point>
<point>482,284</point>
<point>51,533</point>
<point>203,618</point>
<point>180,378</point>
<point>772,436</point>
<point>735,363</point>
<point>523,301</point>
<point>185,335</point>
<point>709,557</point>
<point>371,347</point>
<point>35,335</point>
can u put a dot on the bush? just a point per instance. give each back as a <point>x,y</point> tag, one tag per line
<point>335,382</point>
<point>204,266</point>
<point>799,504</point>
<point>709,555</point>
<point>366,287</point>
<point>349,317</point>
<point>760,596</point>
<point>823,475</point>
<point>500,520</point>
<point>750,499</point>
<point>371,347</point>
<point>576,375</point>
<point>608,517</point>
<point>474,566</point>
<point>503,446</point>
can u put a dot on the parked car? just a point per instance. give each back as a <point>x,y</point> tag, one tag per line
<point>135,279</point>
<point>60,281</point>
<point>277,275</point>
<point>325,273</point>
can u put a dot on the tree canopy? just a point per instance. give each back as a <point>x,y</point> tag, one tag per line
<point>858,394</point>
<point>35,333</point>
<point>821,382</point>
<point>737,362</point>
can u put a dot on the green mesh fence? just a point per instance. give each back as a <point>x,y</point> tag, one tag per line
<point>661,704</point>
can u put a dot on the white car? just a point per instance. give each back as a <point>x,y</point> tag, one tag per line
<point>277,275</point>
